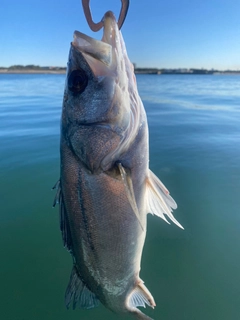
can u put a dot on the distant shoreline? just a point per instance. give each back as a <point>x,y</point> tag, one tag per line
<point>30,71</point>
<point>148,71</point>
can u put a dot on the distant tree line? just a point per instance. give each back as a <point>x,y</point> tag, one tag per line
<point>137,70</point>
<point>31,67</point>
<point>20,67</point>
<point>182,71</point>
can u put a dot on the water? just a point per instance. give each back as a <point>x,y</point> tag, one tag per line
<point>194,124</point>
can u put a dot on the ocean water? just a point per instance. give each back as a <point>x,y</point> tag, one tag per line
<point>194,124</point>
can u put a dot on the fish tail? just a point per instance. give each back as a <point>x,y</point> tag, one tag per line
<point>139,297</point>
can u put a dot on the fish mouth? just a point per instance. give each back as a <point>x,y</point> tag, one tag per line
<point>99,54</point>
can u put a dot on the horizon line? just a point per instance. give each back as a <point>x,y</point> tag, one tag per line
<point>33,66</point>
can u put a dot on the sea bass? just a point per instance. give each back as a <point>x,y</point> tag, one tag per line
<point>106,189</point>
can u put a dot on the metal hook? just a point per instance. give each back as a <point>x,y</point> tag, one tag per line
<point>97,26</point>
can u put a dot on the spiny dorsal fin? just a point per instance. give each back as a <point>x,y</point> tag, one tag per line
<point>64,225</point>
<point>159,200</point>
<point>57,195</point>
<point>129,191</point>
<point>78,294</point>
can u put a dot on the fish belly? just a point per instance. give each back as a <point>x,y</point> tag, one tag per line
<point>106,238</point>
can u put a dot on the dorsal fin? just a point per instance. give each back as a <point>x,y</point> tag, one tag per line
<point>78,294</point>
<point>64,225</point>
<point>159,200</point>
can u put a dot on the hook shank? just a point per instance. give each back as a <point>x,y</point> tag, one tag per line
<point>123,13</point>
<point>97,26</point>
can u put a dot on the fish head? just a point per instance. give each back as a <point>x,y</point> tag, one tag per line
<point>100,98</point>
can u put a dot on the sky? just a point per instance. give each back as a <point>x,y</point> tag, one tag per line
<point>157,33</point>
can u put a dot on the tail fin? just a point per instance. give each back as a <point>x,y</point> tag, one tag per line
<point>139,297</point>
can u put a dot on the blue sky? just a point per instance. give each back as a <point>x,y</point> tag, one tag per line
<point>162,34</point>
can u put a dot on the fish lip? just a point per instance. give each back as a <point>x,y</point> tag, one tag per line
<point>100,54</point>
<point>92,48</point>
<point>109,29</point>
<point>97,54</point>
<point>86,44</point>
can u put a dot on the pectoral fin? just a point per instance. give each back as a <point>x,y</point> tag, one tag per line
<point>129,191</point>
<point>160,203</point>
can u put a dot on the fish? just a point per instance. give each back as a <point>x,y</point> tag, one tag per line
<point>106,188</point>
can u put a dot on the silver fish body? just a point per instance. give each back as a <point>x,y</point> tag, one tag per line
<point>106,188</point>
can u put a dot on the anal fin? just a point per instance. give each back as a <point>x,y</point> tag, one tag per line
<point>140,296</point>
<point>78,294</point>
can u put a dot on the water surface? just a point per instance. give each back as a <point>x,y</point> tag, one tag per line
<point>194,124</point>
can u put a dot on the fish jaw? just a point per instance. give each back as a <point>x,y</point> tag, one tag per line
<point>97,54</point>
<point>109,53</point>
<point>110,99</point>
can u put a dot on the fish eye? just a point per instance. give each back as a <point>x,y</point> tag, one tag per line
<point>77,81</point>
